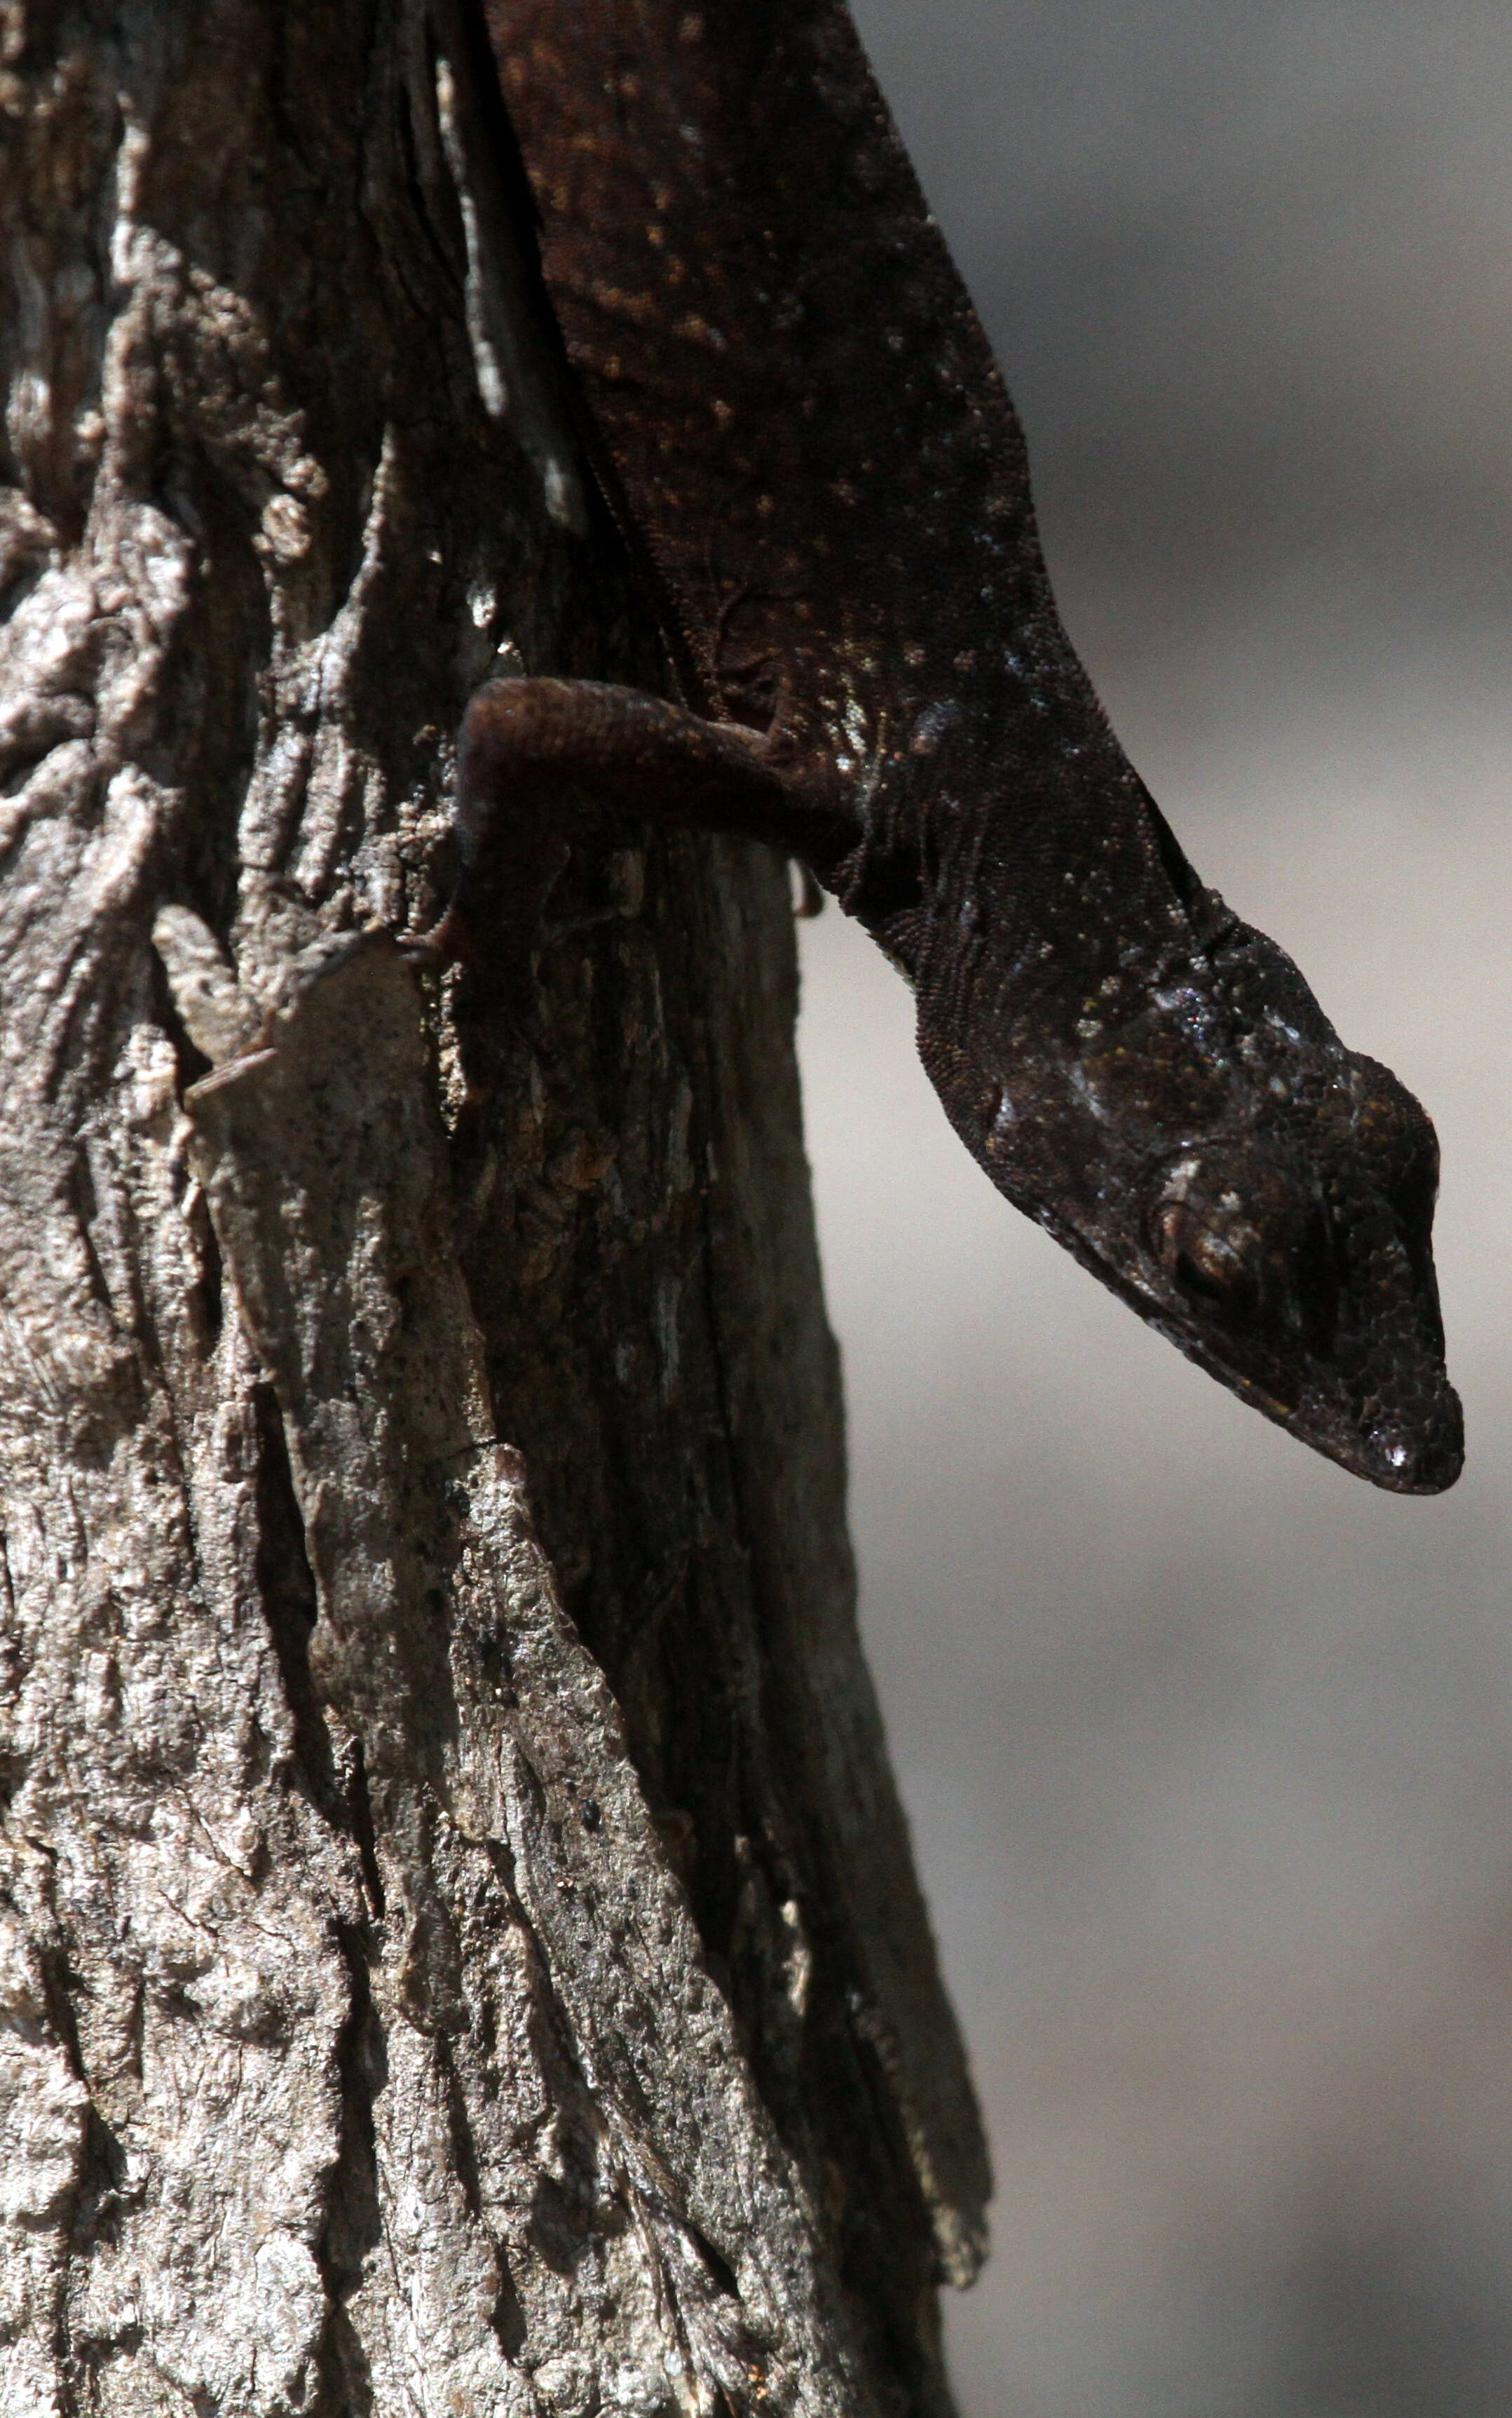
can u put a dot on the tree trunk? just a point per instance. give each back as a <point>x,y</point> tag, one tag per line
<point>457,1957</point>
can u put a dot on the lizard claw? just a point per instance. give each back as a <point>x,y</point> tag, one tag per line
<point>443,945</point>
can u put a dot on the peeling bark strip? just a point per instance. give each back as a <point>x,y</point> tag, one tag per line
<point>448,1963</point>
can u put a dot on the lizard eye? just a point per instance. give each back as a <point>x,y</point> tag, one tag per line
<point>1246,1242</point>
<point>1213,1265</point>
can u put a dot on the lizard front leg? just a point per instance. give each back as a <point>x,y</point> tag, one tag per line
<point>526,745</point>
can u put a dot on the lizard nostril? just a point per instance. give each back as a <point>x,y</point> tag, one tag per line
<point>1420,1459</point>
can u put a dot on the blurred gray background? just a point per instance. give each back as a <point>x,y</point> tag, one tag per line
<point>1209,1747</point>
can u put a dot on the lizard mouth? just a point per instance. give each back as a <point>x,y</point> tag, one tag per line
<point>1414,1447</point>
<point>1408,1439</point>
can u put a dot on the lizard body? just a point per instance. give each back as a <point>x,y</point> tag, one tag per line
<point>795,409</point>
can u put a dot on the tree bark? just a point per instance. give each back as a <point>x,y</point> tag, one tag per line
<point>459,1949</point>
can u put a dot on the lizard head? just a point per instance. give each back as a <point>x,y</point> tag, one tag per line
<point>1291,1257</point>
<point>1262,1195</point>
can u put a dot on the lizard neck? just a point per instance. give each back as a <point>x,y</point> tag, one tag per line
<point>997,817</point>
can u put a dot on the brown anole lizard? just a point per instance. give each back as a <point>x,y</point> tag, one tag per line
<point>797,416</point>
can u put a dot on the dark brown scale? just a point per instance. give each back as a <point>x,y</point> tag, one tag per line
<point>793,405</point>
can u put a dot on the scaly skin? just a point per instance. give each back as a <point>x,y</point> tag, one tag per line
<point>796,417</point>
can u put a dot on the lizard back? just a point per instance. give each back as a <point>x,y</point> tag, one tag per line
<point>813,438</point>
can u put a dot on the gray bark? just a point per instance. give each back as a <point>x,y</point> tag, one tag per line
<point>460,1950</point>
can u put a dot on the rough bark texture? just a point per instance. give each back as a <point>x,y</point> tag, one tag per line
<point>454,1958</point>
